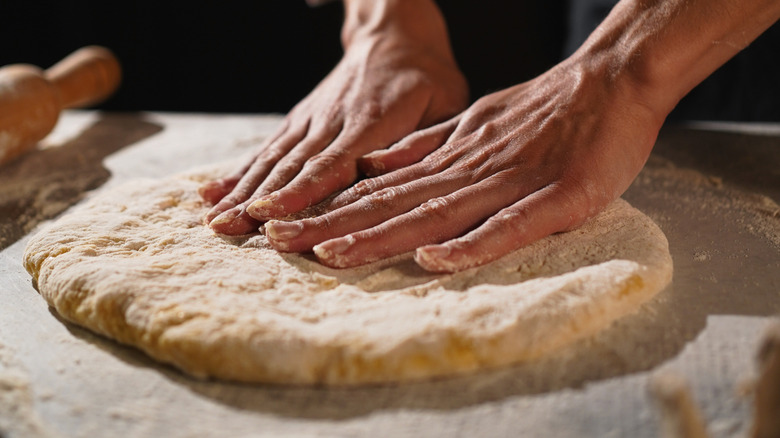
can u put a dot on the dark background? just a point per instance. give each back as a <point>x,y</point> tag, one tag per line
<point>260,56</point>
<point>265,55</point>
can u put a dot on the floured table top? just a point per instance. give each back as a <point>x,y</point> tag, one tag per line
<point>713,189</point>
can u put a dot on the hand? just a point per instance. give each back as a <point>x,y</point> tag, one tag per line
<point>389,83</point>
<point>518,165</point>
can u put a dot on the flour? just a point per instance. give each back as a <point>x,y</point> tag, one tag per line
<point>702,194</point>
<point>40,187</point>
<point>17,417</point>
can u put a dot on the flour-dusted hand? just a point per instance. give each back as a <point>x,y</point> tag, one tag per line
<point>537,158</point>
<point>518,165</point>
<point>397,75</point>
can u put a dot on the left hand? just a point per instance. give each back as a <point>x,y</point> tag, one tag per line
<point>397,75</point>
<point>520,164</point>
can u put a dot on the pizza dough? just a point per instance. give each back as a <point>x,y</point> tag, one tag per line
<point>135,264</point>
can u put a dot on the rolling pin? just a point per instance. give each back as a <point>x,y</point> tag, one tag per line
<point>31,99</point>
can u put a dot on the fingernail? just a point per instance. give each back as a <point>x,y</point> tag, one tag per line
<point>206,187</point>
<point>434,258</point>
<point>212,214</point>
<point>280,230</point>
<point>224,218</point>
<point>262,207</point>
<point>234,222</point>
<point>437,251</point>
<point>329,249</point>
<point>432,252</point>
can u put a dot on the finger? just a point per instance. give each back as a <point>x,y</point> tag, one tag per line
<point>322,175</point>
<point>542,213</point>
<point>291,164</point>
<point>335,168</point>
<point>410,150</point>
<point>434,163</point>
<point>256,173</point>
<point>436,220</point>
<point>213,191</point>
<point>368,211</point>
<point>368,186</point>
<point>236,221</point>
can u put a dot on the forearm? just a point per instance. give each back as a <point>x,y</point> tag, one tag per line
<point>664,48</point>
<point>416,20</point>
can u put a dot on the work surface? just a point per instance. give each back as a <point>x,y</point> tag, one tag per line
<point>712,188</point>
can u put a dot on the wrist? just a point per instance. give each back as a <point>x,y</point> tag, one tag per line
<point>623,53</point>
<point>663,49</point>
<point>416,21</point>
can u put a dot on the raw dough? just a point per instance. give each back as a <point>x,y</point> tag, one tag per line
<point>135,264</point>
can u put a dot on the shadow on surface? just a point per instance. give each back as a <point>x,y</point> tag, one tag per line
<point>586,361</point>
<point>43,183</point>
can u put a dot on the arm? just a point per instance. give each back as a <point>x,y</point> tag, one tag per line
<point>537,158</point>
<point>669,47</point>
<point>397,75</point>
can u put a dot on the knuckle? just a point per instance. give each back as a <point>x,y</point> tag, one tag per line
<point>322,222</point>
<point>481,163</point>
<point>364,187</point>
<point>284,169</point>
<point>436,208</point>
<point>486,131</point>
<point>373,111</point>
<point>440,159</point>
<point>513,219</point>
<point>430,165</point>
<point>331,167</point>
<point>384,198</point>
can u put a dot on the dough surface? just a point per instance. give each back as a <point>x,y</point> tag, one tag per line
<point>135,264</point>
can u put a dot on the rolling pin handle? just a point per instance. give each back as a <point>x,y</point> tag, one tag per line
<point>85,77</point>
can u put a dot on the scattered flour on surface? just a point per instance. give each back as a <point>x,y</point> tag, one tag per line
<point>17,415</point>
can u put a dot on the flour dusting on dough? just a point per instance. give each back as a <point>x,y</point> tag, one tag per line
<point>136,264</point>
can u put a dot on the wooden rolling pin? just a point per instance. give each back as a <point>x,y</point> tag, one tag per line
<point>31,100</point>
